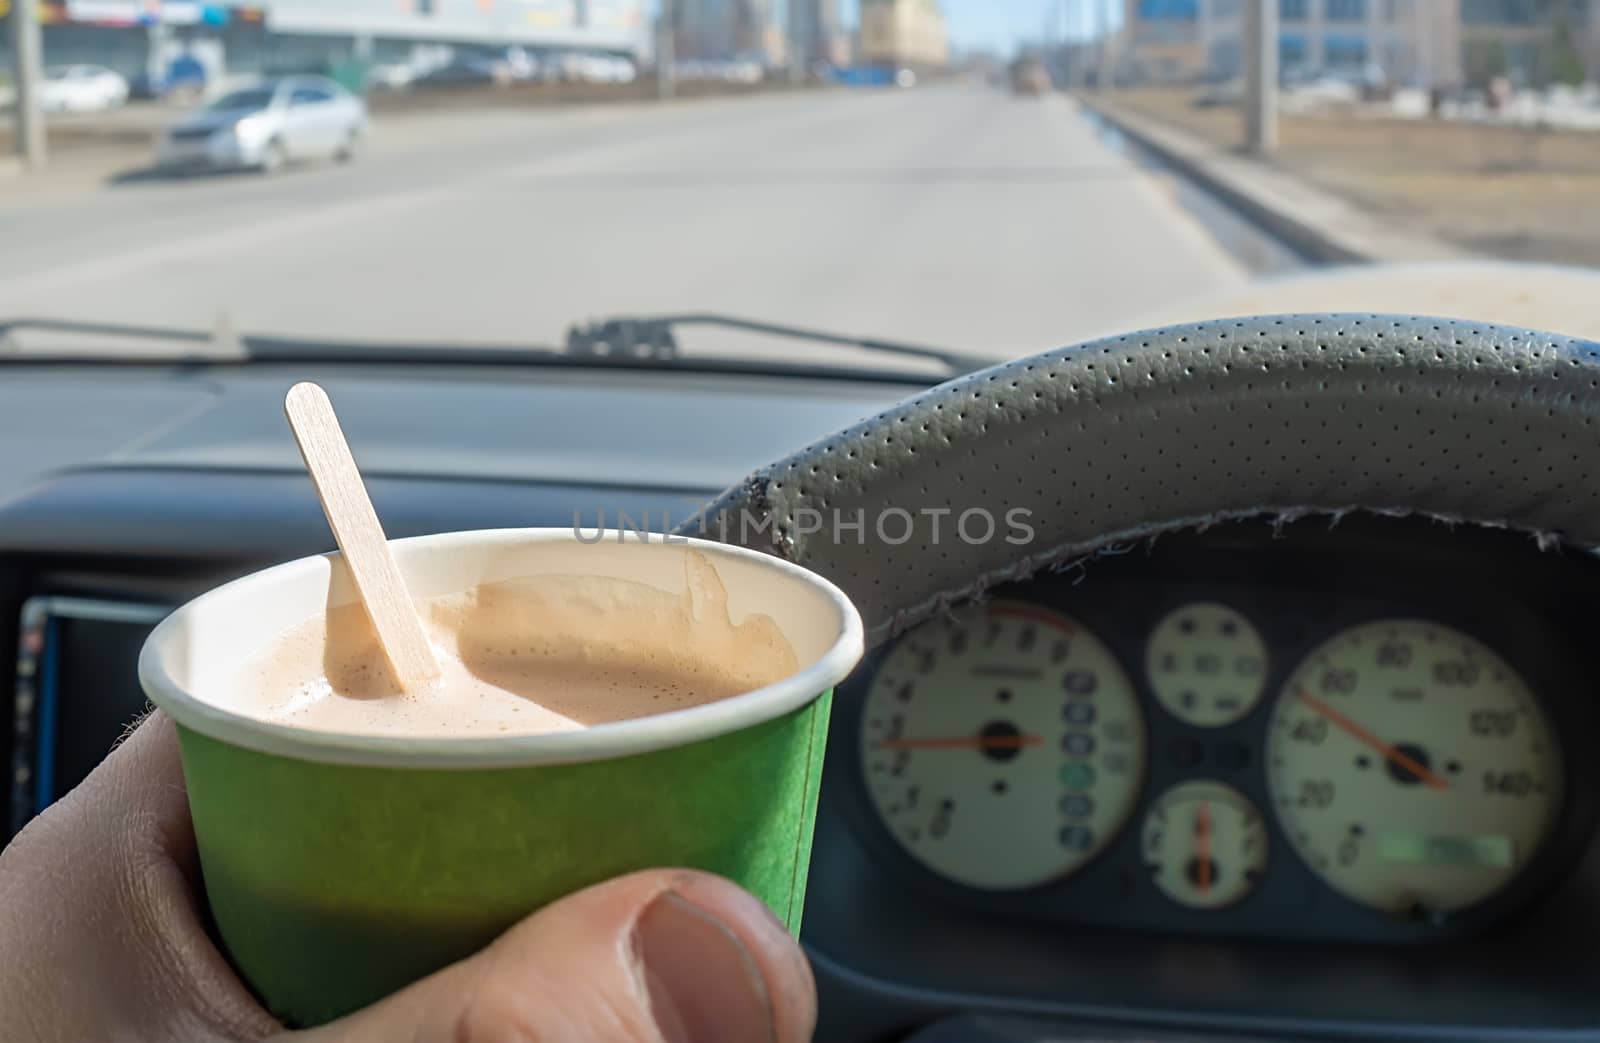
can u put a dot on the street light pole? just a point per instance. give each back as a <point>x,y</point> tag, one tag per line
<point>1084,20</point>
<point>666,52</point>
<point>1108,48</point>
<point>1261,75</point>
<point>28,74</point>
<point>799,41</point>
<point>1097,8</point>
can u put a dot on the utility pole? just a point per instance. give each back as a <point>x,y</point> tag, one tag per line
<point>1098,42</point>
<point>1261,75</point>
<point>1422,60</point>
<point>666,51</point>
<point>800,42</point>
<point>1059,69</point>
<point>28,75</point>
<point>1084,20</point>
<point>1107,62</point>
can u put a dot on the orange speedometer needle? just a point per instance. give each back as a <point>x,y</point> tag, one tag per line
<point>964,742</point>
<point>1202,845</point>
<point>1396,757</point>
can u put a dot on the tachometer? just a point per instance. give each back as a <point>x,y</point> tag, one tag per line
<point>1003,747</point>
<point>1411,766</point>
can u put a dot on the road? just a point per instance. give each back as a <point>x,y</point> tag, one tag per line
<point>957,216</point>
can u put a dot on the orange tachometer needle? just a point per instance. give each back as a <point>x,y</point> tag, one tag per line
<point>1392,755</point>
<point>1202,845</point>
<point>964,742</point>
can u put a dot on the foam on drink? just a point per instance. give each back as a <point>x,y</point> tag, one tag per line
<point>541,654</point>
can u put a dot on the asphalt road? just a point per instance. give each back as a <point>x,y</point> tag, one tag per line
<point>958,216</point>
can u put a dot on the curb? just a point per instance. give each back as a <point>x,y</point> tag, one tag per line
<point>1322,227</point>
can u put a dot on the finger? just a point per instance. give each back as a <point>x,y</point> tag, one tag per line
<point>662,956</point>
<point>103,934</point>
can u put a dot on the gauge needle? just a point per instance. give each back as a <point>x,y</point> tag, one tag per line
<point>964,742</point>
<point>1392,755</point>
<point>1202,845</point>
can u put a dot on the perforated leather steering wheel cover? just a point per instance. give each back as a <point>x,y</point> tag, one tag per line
<point>1131,436</point>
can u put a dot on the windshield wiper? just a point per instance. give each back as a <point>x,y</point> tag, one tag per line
<point>142,343</point>
<point>652,338</point>
<point>627,343</point>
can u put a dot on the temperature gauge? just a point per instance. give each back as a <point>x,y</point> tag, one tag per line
<point>1205,844</point>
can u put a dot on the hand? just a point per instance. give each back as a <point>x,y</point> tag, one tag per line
<point>102,938</point>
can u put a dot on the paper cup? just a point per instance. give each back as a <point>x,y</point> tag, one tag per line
<point>340,867</point>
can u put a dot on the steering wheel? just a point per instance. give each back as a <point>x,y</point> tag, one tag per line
<point>1125,438</point>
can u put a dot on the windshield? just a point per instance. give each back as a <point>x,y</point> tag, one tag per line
<point>254,98</point>
<point>986,177</point>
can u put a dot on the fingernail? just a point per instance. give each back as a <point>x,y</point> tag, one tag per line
<point>705,986</point>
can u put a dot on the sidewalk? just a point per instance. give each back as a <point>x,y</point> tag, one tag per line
<point>128,126</point>
<point>1344,186</point>
<point>1320,225</point>
<point>84,148</point>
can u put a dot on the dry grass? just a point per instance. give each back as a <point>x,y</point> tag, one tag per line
<point>1520,193</point>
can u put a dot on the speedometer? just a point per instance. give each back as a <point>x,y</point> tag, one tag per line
<point>1411,767</point>
<point>1003,747</point>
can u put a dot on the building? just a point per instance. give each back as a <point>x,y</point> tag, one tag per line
<point>1422,42</point>
<point>817,32</point>
<point>1531,41</point>
<point>722,30</point>
<point>132,36</point>
<point>1190,40</point>
<point>903,33</point>
<point>1165,41</point>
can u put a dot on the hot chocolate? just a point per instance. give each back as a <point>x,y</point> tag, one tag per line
<point>542,654</point>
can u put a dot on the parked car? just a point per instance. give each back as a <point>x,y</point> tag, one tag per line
<point>726,71</point>
<point>267,126</point>
<point>1319,91</point>
<point>391,76</point>
<point>623,70</point>
<point>518,63</point>
<point>606,68</point>
<point>1221,93</point>
<point>81,88</point>
<point>469,71</point>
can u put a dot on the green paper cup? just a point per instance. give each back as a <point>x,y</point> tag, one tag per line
<point>340,867</point>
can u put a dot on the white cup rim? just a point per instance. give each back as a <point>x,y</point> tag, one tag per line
<point>597,742</point>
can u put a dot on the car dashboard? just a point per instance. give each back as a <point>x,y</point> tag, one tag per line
<point>1318,778</point>
<point>1315,778</point>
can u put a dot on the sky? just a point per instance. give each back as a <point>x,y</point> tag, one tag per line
<point>999,25</point>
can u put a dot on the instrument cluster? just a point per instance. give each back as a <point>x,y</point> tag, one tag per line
<point>1217,758</point>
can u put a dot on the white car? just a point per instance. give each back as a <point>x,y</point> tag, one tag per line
<point>623,70</point>
<point>266,126</point>
<point>519,64</point>
<point>392,76</point>
<point>81,88</point>
<point>595,68</point>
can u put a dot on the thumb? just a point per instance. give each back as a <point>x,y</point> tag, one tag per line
<point>662,956</point>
